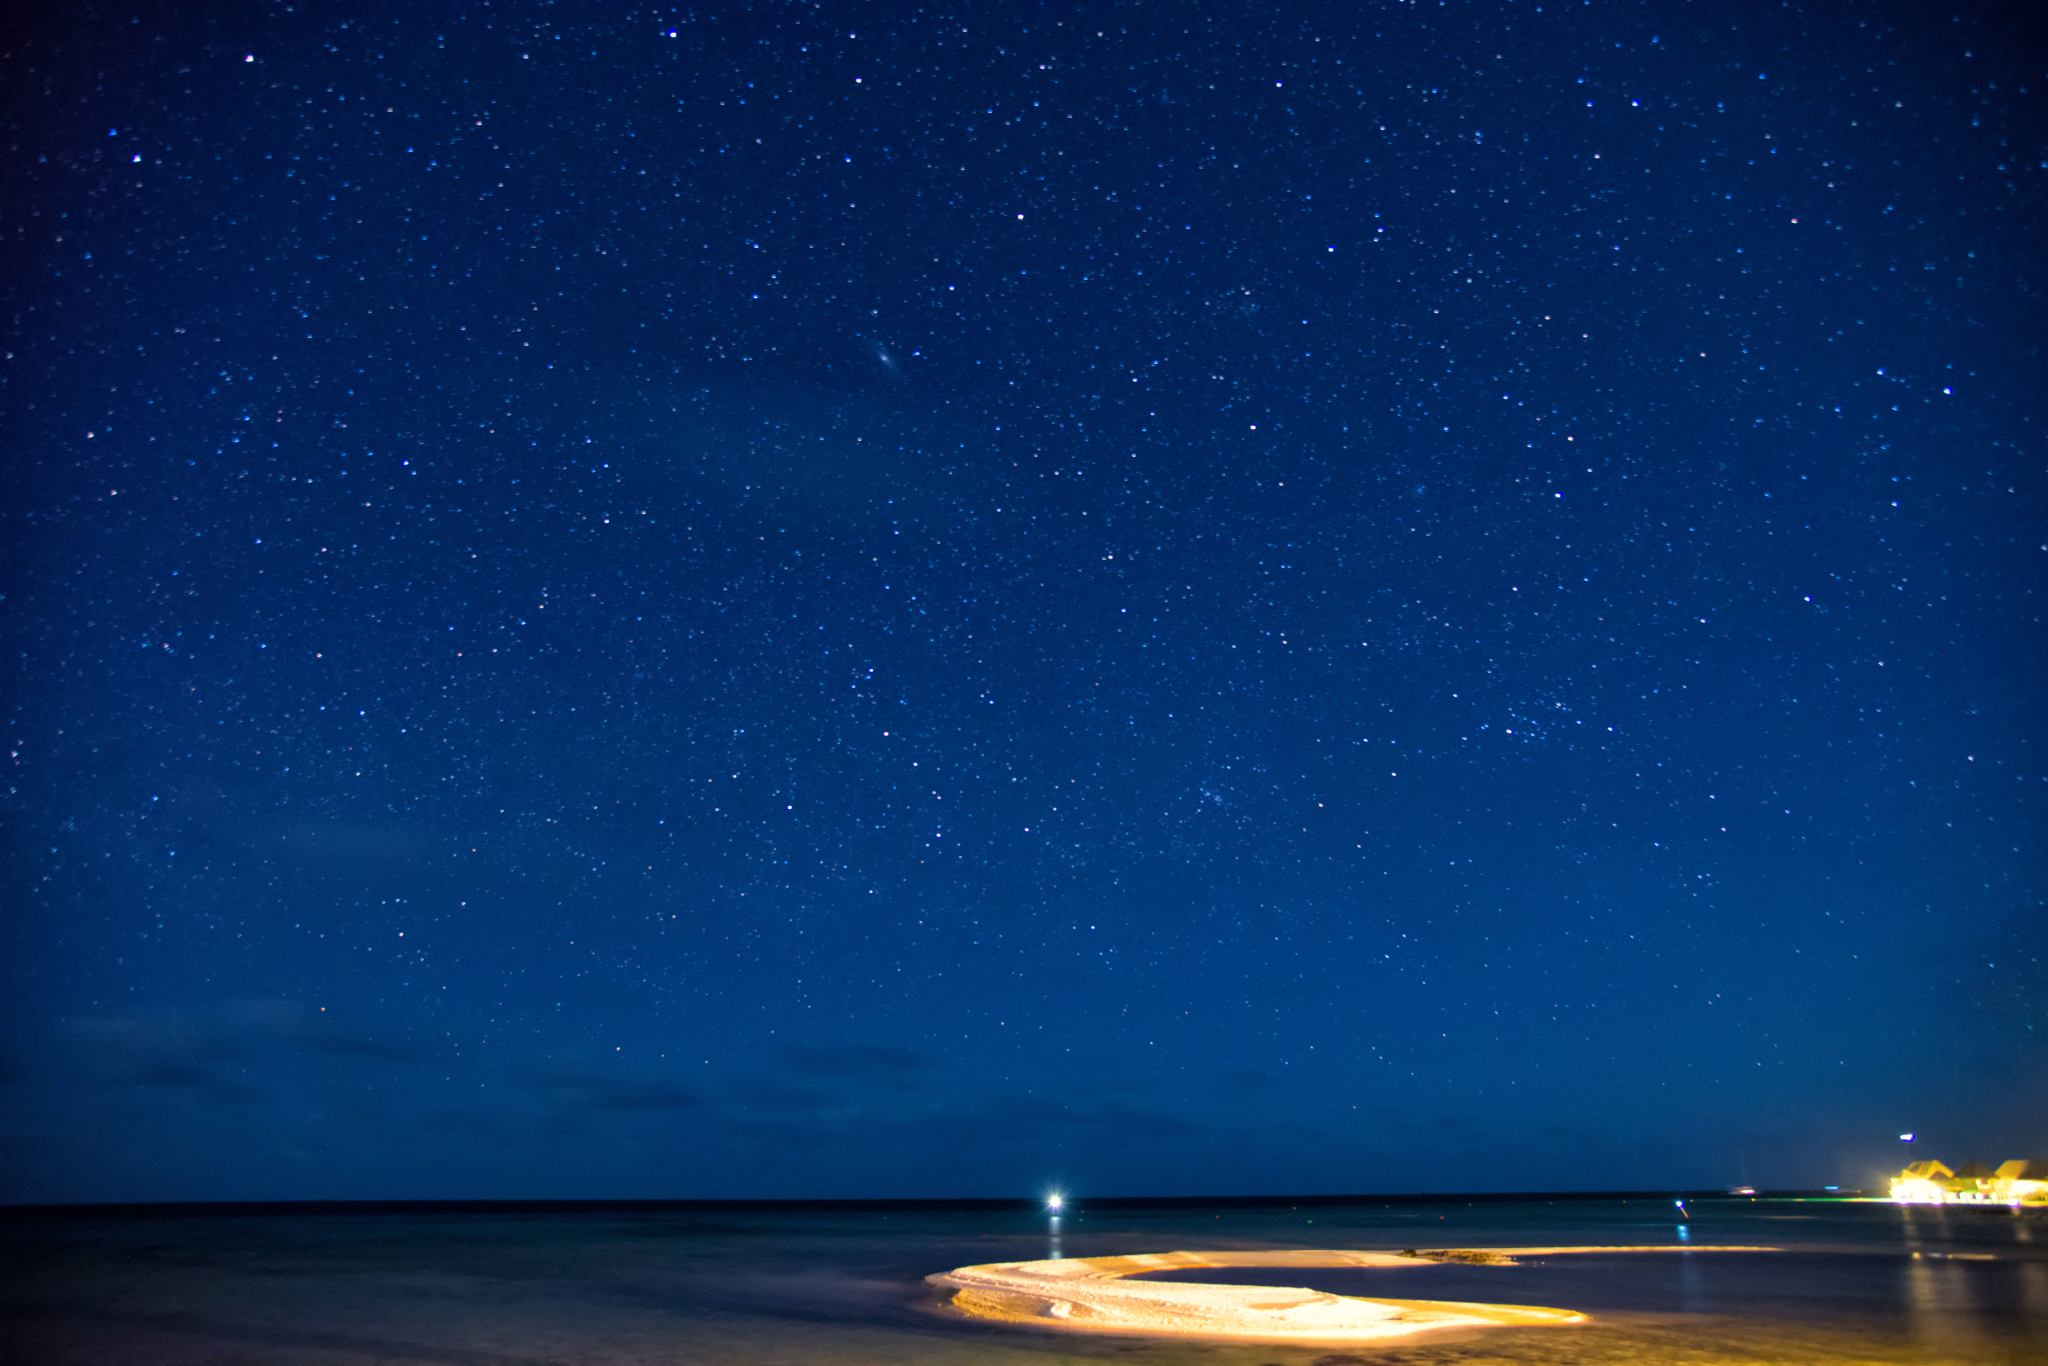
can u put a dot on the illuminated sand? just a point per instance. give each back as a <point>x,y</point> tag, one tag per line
<point>1091,1294</point>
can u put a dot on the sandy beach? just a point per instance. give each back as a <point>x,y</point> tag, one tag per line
<point>1096,1294</point>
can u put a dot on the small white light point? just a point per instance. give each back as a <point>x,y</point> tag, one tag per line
<point>1054,1203</point>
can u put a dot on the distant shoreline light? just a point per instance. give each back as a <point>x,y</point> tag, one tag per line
<point>2020,1182</point>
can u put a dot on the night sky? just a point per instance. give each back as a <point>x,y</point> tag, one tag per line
<point>888,600</point>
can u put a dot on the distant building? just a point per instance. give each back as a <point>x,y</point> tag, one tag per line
<point>1971,1183</point>
<point>1922,1183</point>
<point>2022,1181</point>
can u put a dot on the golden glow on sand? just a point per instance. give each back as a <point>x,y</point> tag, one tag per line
<point>1092,1294</point>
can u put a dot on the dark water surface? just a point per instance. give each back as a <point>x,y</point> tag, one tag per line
<point>793,1286</point>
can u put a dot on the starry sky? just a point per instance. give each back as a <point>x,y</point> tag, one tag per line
<point>914,600</point>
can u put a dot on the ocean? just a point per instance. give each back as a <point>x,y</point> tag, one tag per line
<point>1855,1282</point>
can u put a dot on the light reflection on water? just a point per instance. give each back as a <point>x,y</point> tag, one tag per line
<point>2033,1283</point>
<point>1934,1291</point>
<point>1692,1287</point>
<point>808,1286</point>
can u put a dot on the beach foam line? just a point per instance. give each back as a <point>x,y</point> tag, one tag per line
<point>1092,1294</point>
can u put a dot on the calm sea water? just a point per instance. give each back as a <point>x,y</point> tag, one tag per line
<point>520,1290</point>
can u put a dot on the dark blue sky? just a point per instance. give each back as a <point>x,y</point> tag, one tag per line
<point>895,601</point>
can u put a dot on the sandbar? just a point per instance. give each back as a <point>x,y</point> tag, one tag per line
<point>1092,1294</point>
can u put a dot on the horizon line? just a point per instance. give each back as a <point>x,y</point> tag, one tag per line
<point>1071,1204</point>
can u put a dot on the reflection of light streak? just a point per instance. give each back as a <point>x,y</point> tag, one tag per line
<point>2033,1284</point>
<point>1939,1301</point>
<point>1921,1299</point>
<point>1692,1296</point>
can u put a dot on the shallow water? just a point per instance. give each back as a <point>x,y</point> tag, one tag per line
<point>508,1290</point>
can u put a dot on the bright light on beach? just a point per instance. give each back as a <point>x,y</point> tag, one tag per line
<point>1102,1295</point>
<point>1054,1202</point>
